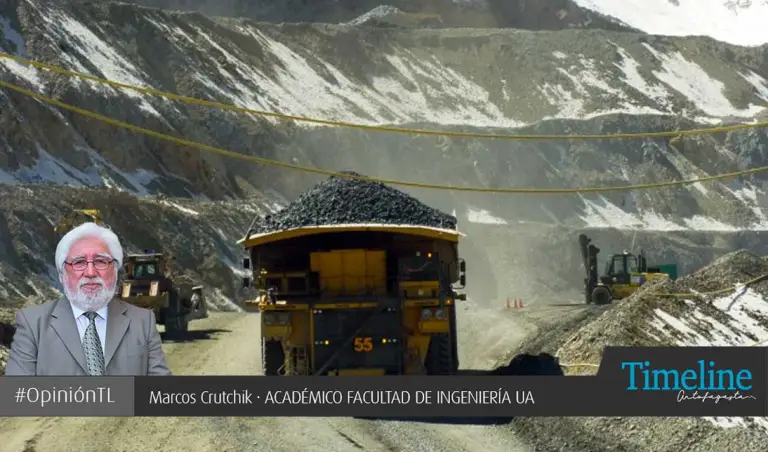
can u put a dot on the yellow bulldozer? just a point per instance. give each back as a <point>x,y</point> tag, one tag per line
<point>624,273</point>
<point>149,283</point>
<point>357,299</point>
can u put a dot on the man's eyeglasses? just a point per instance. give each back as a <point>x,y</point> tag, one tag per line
<point>100,263</point>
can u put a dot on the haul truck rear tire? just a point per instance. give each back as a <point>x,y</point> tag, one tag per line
<point>176,323</point>
<point>439,357</point>
<point>454,343</point>
<point>272,357</point>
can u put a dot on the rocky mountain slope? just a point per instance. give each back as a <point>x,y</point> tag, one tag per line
<point>547,81</point>
<point>561,81</point>
<point>528,14</point>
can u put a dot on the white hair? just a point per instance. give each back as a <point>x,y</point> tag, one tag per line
<point>86,230</point>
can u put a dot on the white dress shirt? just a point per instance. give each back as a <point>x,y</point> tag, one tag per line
<point>101,324</point>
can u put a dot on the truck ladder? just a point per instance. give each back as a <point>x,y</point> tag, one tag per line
<point>299,361</point>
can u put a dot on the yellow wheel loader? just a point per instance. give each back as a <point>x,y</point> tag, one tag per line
<point>624,274</point>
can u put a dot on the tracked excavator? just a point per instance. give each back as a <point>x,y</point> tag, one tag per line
<point>624,273</point>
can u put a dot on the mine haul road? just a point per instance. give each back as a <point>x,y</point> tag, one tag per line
<point>228,344</point>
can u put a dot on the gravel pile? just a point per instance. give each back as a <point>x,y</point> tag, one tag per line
<point>737,267</point>
<point>623,325</point>
<point>631,323</point>
<point>627,323</point>
<point>342,200</point>
<point>4,350</point>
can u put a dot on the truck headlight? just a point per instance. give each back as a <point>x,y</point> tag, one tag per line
<point>440,314</point>
<point>283,318</point>
<point>426,314</point>
<point>126,290</point>
<point>153,288</point>
<point>269,318</point>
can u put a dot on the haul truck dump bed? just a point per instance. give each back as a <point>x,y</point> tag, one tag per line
<point>357,299</point>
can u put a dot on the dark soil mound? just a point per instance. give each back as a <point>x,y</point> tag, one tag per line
<point>343,200</point>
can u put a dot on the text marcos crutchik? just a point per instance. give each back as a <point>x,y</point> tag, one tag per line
<point>331,397</point>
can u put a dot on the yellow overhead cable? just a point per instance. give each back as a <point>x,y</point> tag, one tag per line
<point>308,169</point>
<point>679,295</point>
<point>230,107</point>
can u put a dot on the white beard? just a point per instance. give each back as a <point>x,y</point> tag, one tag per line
<point>88,301</point>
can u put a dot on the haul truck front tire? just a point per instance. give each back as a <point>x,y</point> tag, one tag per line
<point>440,355</point>
<point>272,357</point>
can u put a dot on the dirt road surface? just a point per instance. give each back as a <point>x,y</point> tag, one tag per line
<point>227,344</point>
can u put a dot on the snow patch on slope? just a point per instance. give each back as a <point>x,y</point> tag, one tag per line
<point>461,101</point>
<point>181,208</point>
<point>632,77</point>
<point>603,214</point>
<point>693,82</point>
<point>760,84</point>
<point>299,86</point>
<point>12,36</point>
<point>376,13</point>
<point>19,49</point>
<point>482,216</point>
<point>587,82</point>
<point>739,22</point>
<point>7,179</point>
<point>51,170</point>
<point>745,325</point>
<point>86,46</point>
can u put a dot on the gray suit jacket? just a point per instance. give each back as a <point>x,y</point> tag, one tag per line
<point>47,342</point>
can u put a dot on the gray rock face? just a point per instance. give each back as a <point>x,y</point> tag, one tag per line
<point>566,80</point>
<point>560,81</point>
<point>525,14</point>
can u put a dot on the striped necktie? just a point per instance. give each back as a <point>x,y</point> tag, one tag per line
<point>94,354</point>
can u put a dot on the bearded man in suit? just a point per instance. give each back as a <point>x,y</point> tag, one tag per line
<point>89,331</point>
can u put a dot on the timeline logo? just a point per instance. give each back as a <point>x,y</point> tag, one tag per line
<point>703,382</point>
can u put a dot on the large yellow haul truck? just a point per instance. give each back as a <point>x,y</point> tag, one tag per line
<point>357,299</point>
